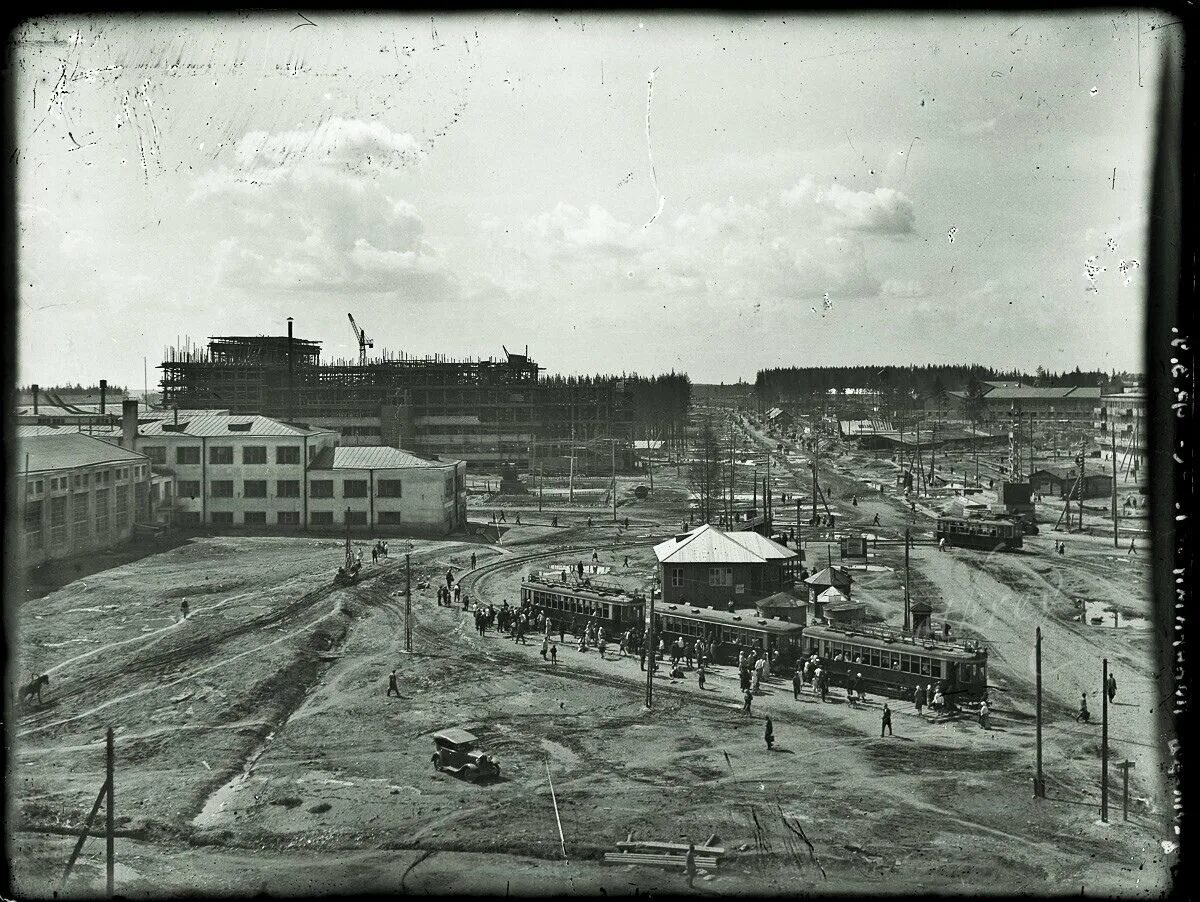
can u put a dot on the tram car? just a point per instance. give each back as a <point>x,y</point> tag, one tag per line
<point>575,605</point>
<point>731,632</point>
<point>895,664</point>
<point>976,532</point>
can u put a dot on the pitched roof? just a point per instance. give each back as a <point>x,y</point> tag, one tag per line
<point>709,545</point>
<point>832,596</point>
<point>372,457</point>
<point>211,424</point>
<point>1030,393</point>
<point>781,600</point>
<point>830,576</point>
<point>70,450</point>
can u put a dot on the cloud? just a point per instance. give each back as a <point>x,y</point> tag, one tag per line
<point>884,211</point>
<point>309,210</point>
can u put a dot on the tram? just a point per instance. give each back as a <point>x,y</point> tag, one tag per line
<point>577,604</point>
<point>895,664</point>
<point>731,632</point>
<point>976,532</point>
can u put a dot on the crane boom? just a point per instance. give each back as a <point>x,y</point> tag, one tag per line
<point>363,341</point>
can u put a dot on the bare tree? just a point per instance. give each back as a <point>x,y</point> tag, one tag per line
<point>704,473</point>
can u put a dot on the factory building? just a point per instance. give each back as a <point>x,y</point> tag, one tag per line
<point>77,494</point>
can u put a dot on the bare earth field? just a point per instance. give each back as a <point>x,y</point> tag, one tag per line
<point>257,750</point>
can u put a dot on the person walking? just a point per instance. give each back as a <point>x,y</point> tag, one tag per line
<point>545,646</point>
<point>1112,688</point>
<point>183,607</point>
<point>769,733</point>
<point>886,724</point>
<point>983,714</point>
<point>375,554</point>
<point>1132,549</point>
<point>942,544</point>
<point>875,522</point>
<point>797,682</point>
<point>919,699</point>
<point>689,864</point>
<point>472,560</point>
<point>393,686</point>
<point>939,700</point>
<point>748,697</point>
<point>1084,715</point>
<point>554,654</point>
<point>700,677</point>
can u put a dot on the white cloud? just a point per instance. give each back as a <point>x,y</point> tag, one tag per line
<point>884,211</point>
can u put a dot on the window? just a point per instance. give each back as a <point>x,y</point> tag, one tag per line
<point>356,518</point>
<point>287,454</point>
<point>221,488</point>
<point>79,514</point>
<point>321,518</point>
<point>189,488</point>
<point>220,454</point>
<point>676,577</point>
<point>389,518</point>
<point>33,516</point>
<point>122,512</point>
<point>254,454</point>
<point>720,576</point>
<point>101,513</point>
<point>321,488</point>
<point>255,518</point>
<point>287,488</point>
<point>254,488</point>
<point>187,454</point>
<point>288,518</point>
<point>389,488</point>
<point>354,488</point>
<point>222,518</point>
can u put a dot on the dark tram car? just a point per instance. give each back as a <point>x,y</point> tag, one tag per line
<point>894,664</point>
<point>575,605</point>
<point>731,632</point>
<point>975,532</point>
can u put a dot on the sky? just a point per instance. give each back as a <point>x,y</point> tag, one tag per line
<point>620,193</point>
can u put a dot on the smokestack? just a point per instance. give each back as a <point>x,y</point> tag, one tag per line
<point>35,394</point>
<point>129,424</point>
<point>103,392</point>
<point>291,375</point>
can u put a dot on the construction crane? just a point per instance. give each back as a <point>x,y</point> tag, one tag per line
<point>363,341</point>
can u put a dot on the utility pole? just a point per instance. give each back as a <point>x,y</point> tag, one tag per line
<point>571,477</point>
<point>975,448</point>
<point>767,492</point>
<point>1116,541</point>
<point>907,542</point>
<point>1125,766</point>
<point>614,479</point>
<point>650,653</point>
<point>110,818</point>
<point>1039,783</point>
<point>1104,747</point>
<point>408,602</point>
<point>816,457</point>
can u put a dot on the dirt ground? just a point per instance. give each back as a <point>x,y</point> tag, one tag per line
<point>257,748</point>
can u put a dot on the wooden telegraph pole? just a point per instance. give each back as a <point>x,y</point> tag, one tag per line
<point>1039,783</point>
<point>1125,766</point>
<point>614,479</point>
<point>650,653</point>
<point>1104,747</point>
<point>408,602</point>
<point>1116,540</point>
<point>907,541</point>
<point>110,819</point>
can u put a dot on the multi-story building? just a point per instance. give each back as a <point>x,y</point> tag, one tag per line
<point>77,494</point>
<point>710,567</point>
<point>1123,416</point>
<point>1064,404</point>
<point>379,487</point>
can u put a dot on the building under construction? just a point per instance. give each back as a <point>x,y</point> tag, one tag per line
<point>486,412</point>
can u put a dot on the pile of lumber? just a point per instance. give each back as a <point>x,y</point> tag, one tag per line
<point>664,854</point>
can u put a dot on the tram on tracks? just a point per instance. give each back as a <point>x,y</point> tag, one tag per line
<point>976,532</point>
<point>730,632</point>
<point>896,663</point>
<point>577,604</point>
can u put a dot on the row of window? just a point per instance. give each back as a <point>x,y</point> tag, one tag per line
<point>81,480</point>
<point>289,488</point>
<point>876,657</point>
<point>289,518</point>
<point>554,602</point>
<point>972,529</point>
<point>223,454</point>
<point>687,626</point>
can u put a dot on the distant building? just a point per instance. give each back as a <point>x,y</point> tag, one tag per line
<point>1061,483</point>
<point>708,566</point>
<point>778,418</point>
<point>786,605</point>
<point>828,578</point>
<point>1123,415</point>
<point>1072,404</point>
<point>77,494</point>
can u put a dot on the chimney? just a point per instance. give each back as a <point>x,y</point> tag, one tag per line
<point>291,405</point>
<point>129,424</point>
<point>35,394</point>
<point>103,392</point>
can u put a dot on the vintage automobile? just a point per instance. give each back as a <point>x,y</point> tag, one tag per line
<point>456,752</point>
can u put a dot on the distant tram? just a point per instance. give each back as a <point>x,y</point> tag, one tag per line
<point>575,605</point>
<point>731,632</point>
<point>894,663</point>
<point>976,532</point>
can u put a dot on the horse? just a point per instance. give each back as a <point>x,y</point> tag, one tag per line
<point>34,688</point>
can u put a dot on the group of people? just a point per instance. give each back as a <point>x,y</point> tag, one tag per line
<point>447,597</point>
<point>378,550</point>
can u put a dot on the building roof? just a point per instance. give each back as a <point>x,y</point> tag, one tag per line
<point>210,425</point>
<point>68,451</point>
<point>830,576</point>
<point>831,596</point>
<point>781,600</point>
<point>372,457</point>
<point>1029,393</point>
<point>709,545</point>
<point>775,413</point>
<point>744,619</point>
